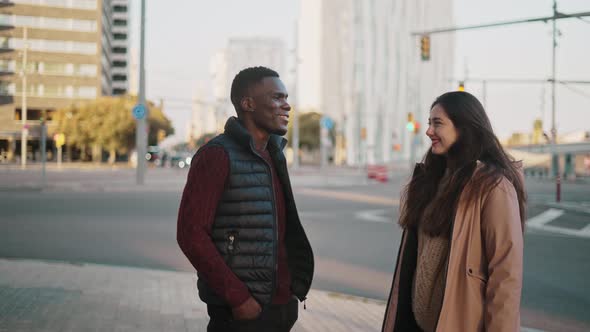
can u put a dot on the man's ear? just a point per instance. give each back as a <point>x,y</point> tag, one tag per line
<point>247,104</point>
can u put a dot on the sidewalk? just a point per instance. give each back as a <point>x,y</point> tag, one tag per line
<point>41,296</point>
<point>49,296</point>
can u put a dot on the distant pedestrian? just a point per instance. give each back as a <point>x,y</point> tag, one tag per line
<point>238,223</point>
<point>459,266</point>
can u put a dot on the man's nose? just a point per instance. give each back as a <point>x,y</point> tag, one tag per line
<point>286,106</point>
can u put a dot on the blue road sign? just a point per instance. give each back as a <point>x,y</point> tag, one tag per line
<point>139,111</point>
<point>327,123</point>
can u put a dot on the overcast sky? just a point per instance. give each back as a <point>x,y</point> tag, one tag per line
<point>182,35</point>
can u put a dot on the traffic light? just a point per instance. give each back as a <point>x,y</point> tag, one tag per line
<point>461,86</point>
<point>161,135</point>
<point>410,126</point>
<point>416,127</point>
<point>425,47</point>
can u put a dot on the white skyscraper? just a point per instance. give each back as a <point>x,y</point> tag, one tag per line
<point>371,75</point>
<point>239,54</point>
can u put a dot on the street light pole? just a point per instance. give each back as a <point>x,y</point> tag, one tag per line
<point>141,133</point>
<point>555,157</point>
<point>23,149</point>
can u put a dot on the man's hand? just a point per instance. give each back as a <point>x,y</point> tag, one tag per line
<point>248,310</point>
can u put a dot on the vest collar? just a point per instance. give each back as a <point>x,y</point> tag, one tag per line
<point>235,129</point>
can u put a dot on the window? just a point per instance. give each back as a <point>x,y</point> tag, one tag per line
<point>54,68</point>
<point>5,42</point>
<point>7,65</point>
<point>58,46</point>
<point>120,23</point>
<point>119,77</point>
<point>120,9</point>
<point>86,92</point>
<point>86,70</point>
<point>120,50</point>
<point>120,36</point>
<point>119,91</point>
<point>50,23</point>
<point>81,4</point>
<point>6,88</point>
<point>118,63</point>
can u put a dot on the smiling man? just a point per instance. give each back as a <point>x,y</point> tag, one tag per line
<point>238,223</point>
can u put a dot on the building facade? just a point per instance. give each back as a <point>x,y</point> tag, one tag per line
<point>120,46</point>
<point>66,50</point>
<point>371,74</point>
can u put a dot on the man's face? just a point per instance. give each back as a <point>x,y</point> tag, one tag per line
<point>270,106</point>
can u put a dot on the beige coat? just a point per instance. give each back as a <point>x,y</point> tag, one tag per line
<point>484,275</point>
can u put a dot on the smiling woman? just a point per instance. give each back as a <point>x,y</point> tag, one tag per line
<point>461,258</point>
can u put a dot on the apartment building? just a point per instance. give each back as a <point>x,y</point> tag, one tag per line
<point>68,50</point>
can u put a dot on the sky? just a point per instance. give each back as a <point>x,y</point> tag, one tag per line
<point>183,35</point>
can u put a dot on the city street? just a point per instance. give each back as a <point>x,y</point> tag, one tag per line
<point>99,216</point>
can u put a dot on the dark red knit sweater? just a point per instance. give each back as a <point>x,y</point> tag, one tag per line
<point>204,187</point>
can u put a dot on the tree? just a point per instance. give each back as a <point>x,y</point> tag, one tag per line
<point>309,130</point>
<point>203,139</point>
<point>106,123</point>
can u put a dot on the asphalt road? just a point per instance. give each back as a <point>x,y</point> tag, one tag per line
<point>351,229</point>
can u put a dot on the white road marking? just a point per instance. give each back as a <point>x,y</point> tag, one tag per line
<point>544,218</point>
<point>540,222</point>
<point>374,216</point>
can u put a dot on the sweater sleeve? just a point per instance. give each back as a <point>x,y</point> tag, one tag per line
<point>202,193</point>
<point>502,233</point>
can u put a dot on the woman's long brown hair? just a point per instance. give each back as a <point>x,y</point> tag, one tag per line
<point>476,141</point>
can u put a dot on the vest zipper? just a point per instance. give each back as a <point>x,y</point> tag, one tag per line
<point>231,246</point>
<point>275,226</point>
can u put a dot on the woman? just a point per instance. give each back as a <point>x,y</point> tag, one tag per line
<point>459,267</point>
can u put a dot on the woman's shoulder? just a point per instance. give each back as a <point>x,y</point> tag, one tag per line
<point>500,182</point>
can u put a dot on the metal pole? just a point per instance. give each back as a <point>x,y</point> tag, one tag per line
<point>23,153</point>
<point>43,152</point>
<point>59,156</point>
<point>141,134</point>
<point>295,144</point>
<point>555,157</point>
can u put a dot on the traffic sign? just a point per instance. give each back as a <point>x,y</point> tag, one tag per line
<point>327,123</point>
<point>60,139</point>
<point>139,111</point>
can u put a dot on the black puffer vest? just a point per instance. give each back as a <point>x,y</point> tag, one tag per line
<point>245,227</point>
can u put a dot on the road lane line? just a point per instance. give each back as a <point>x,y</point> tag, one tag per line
<point>348,196</point>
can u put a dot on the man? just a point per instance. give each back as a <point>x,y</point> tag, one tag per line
<point>238,223</point>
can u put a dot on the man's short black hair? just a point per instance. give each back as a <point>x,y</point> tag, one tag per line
<point>244,79</point>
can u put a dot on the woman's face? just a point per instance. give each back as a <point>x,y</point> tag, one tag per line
<point>441,131</point>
